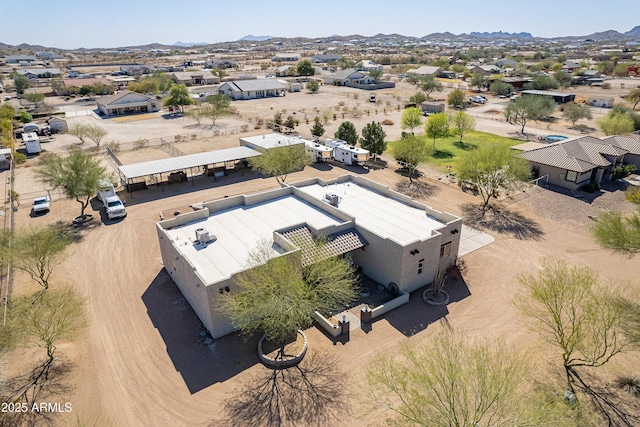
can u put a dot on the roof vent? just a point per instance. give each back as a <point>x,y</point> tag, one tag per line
<point>332,198</point>
<point>203,236</point>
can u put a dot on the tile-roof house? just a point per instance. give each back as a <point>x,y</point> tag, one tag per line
<point>127,102</point>
<point>574,163</point>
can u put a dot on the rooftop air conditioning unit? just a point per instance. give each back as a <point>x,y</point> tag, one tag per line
<point>203,236</point>
<point>332,199</point>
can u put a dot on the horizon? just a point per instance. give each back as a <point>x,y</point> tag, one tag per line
<point>145,22</point>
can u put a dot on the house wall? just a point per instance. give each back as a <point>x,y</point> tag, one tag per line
<point>633,159</point>
<point>186,277</point>
<point>557,176</point>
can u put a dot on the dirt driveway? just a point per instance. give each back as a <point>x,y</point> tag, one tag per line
<point>143,361</point>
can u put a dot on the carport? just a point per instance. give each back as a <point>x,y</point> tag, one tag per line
<point>175,168</point>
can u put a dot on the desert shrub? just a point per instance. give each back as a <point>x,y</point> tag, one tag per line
<point>113,146</point>
<point>244,128</point>
<point>141,143</point>
<point>623,171</point>
<point>387,122</point>
<point>633,195</point>
<point>341,103</point>
<point>19,158</point>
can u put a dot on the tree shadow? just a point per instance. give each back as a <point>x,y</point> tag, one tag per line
<point>501,220</point>
<point>416,189</point>
<point>464,146</point>
<point>442,154</point>
<point>311,393</point>
<point>45,382</point>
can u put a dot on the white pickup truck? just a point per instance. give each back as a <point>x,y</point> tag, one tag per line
<point>112,203</point>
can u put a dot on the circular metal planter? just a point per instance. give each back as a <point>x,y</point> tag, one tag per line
<point>441,299</point>
<point>365,292</point>
<point>283,363</point>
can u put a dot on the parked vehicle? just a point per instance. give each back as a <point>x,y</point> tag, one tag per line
<point>106,190</point>
<point>318,152</point>
<point>114,207</point>
<point>41,204</point>
<point>429,108</point>
<point>31,142</point>
<point>372,98</point>
<point>478,99</point>
<point>345,153</point>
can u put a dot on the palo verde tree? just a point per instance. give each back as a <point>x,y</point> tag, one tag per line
<point>412,151</point>
<point>499,87</point>
<point>96,133</point>
<point>633,97</point>
<point>618,232</point>
<point>313,86</point>
<point>527,108</point>
<point>21,82</point>
<point>277,295</point>
<point>375,73</point>
<point>418,98</point>
<point>456,98</point>
<point>462,123</point>
<point>281,161</point>
<point>37,250</point>
<point>574,112</point>
<point>372,139</point>
<point>36,98</point>
<point>437,126</point>
<point>616,123</point>
<point>59,314</point>
<point>479,81</point>
<point>80,131</point>
<point>429,84</point>
<point>411,118</point>
<point>78,175</point>
<point>219,105</point>
<point>583,318</point>
<point>178,97</point>
<point>491,168</point>
<point>452,380</point>
<point>347,132</point>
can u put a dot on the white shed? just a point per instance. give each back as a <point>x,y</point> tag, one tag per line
<point>31,142</point>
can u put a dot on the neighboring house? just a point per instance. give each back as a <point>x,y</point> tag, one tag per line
<point>368,65</point>
<point>290,57</point>
<point>323,59</point>
<point>40,73</point>
<point>600,102</point>
<point>574,163</point>
<point>127,102</point>
<point>483,69</point>
<point>425,70</point>
<point>571,66</point>
<point>137,70</point>
<point>195,78</point>
<point>219,63</point>
<point>78,83</point>
<point>506,63</point>
<point>342,78</point>
<point>253,89</point>
<point>356,79</point>
<point>286,70</point>
<point>19,59</point>
<point>203,251</point>
<point>517,82</point>
<point>592,74</point>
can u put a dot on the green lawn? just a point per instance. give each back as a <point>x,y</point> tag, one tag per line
<point>449,149</point>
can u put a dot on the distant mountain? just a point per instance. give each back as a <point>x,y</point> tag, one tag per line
<point>497,34</point>
<point>435,36</point>
<point>183,44</point>
<point>634,32</point>
<point>252,38</point>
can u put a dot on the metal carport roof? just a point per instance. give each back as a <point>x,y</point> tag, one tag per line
<point>138,170</point>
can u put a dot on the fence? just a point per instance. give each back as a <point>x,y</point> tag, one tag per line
<point>170,149</point>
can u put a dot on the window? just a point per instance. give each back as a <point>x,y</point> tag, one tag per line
<point>445,250</point>
<point>420,264</point>
<point>571,176</point>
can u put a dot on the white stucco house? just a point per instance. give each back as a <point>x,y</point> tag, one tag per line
<point>253,89</point>
<point>397,241</point>
<point>127,102</point>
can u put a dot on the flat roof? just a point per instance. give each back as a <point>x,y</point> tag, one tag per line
<point>271,140</point>
<point>385,216</point>
<point>239,230</point>
<point>547,93</point>
<point>138,170</point>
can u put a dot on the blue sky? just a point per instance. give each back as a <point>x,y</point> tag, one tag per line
<point>115,23</point>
